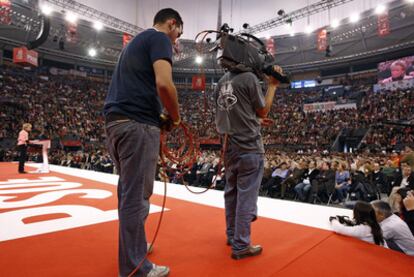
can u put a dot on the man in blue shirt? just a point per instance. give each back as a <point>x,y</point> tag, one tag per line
<point>141,87</point>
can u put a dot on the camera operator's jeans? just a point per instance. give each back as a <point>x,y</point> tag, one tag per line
<point>134,149</point>
<point>244,172</point>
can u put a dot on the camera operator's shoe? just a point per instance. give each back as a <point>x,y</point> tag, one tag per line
<point>252,250</point>
<point>159,271</point>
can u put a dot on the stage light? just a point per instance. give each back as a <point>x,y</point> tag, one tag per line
<point>98,25</point>
<point>71,17</point>
<point>354,18</point>
<point>198,60</point>
<point>46,10</point>
<point>308,29</point>
<point>92,52</point>
<point>380,9</point>
<point>335,23</point>
<point>292,33</point>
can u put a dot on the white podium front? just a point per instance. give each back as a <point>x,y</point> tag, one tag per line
<point>45,146</point>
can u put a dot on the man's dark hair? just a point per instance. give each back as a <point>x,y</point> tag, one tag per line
<point>165,14</point>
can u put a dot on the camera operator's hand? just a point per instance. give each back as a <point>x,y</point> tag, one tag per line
<point>272,80</point>
<point>167,124</point>
<point>331,218</point>
<point>266,122</point>
<point>409,201</point>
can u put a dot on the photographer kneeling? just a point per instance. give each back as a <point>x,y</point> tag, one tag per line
<point>364,226</point>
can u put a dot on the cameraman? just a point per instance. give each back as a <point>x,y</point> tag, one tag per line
<point>395,230</point>
<point>364,227</point>
<point>240,105</point>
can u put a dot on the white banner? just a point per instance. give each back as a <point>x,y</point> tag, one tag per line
<point>327,106</point>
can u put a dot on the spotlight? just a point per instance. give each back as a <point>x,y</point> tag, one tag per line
<point>198,60</point>
<point>46,10</point>
<point>98,25</point>
<point>335,23</point>
<point>246,25</point>
<point>92,52</point>
<point>280,12</point>
<point>380,9</point>
<point>71,17</point>
<point>308,29</point>
<point>354,18</point>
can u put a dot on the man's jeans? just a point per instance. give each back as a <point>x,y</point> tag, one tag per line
<point>134,149</point>
<point>244,172</point>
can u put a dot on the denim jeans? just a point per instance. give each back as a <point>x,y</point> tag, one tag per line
<point>244,172</point>
<point>134,149</point>
<point>302,190</point>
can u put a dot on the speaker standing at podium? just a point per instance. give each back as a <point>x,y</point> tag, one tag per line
<point>22,141</point>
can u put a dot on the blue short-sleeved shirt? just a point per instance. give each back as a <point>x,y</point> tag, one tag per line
<point>132,91</point>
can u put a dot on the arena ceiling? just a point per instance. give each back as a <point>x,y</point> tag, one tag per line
<point>349,41</point>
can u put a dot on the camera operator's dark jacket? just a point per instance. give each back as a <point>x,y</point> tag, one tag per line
<point>409,219</point>
<point>410,180</point>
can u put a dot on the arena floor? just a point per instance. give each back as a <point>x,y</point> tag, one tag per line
<point>64,223</point>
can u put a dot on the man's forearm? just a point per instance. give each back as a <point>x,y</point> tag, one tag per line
<point>169,99</point>
<point>270,94</point>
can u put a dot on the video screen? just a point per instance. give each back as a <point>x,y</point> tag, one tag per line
<point>303,84</point>
<point>396,70</point>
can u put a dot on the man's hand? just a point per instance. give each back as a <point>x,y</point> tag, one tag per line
<point>409,201</point>
<point>266,122</point>
<point>167,124</point>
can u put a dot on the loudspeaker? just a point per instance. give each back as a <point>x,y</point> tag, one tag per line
<point>43,34</point>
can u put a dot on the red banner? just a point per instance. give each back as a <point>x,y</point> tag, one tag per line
<point>208,140</point>
<point>5,12</point>
<point>125,39</point>
<point>322,40</point>
<point>383,24</point>
<point>199,82</point>
<point>72,143</point>
<point>270,46</point>
<point>25,57</point>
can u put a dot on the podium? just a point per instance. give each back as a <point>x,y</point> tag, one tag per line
<point>45,146</point>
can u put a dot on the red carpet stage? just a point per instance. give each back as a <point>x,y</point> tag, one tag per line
<point>64,223</point>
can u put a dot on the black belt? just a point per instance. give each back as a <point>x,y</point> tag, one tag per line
<point>114,117</point>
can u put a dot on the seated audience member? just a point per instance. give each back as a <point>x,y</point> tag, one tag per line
<point>364,227</point>
<point>323,184</point>
<point>395,231</point>
<point>278,176</point>
<point>302,189</point>
<point>294,178</point>
<point>404,181</point>
<point>342,182</point>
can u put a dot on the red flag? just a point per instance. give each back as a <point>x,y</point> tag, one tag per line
<point>199,82</point>
<point>383,24</point>
<point>5,12</point>
<point>322,40</point>
<point>125,39</point>
<point>270,46</point>
<point>25,57</point>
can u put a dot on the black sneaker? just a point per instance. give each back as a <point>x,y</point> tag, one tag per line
<point>252,250</point>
